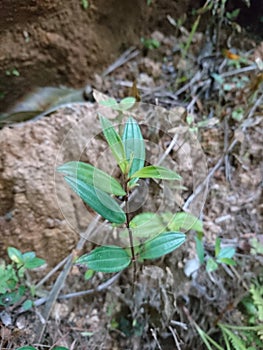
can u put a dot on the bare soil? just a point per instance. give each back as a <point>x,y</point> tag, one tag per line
<point>61,43</point>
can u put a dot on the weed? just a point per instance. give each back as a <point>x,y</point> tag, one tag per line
<point>222,255</point>
<point>150,43</point>
<point>13,72</point>
<point>14,286</point>
<point>241,337</point>
<point>85,4</point>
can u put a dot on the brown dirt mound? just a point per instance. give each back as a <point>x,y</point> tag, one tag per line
<point>56,42</point>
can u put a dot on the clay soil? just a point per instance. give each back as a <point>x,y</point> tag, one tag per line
<point>61,43</point>
<point>53,43</point>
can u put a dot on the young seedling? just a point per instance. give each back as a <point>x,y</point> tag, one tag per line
<point>100,191</point>
<point>222,255</point>
<point>14,287</point>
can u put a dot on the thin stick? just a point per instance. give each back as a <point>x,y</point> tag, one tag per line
<point>51,273</point>
<point>125,57</point>
<point>130,232</point>
<point>175,338</point>
<point>155,338</point>
<point>99,288</point>
<point>168,149</point>
<point>220,161</point>
<point>53,295</point>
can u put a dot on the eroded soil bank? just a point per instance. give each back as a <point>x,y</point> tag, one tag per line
<point>58,42</point>
<point>46,42</point>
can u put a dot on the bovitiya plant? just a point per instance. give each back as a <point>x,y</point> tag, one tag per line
<point>101,191</point>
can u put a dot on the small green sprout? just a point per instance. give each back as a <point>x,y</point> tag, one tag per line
<point>13,284</point>
<point>222,255</point>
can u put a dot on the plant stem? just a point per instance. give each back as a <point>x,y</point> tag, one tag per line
<point>130,231</point>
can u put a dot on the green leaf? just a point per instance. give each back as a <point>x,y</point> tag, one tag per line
<point>163,244</point>
<point>147,226</point>
<point>27,305</point>
<point>238,114</point>
<point>203,336</point>
<point>207,340</point>
<point>87,334</point>
<point>127,103</point>
<point>211,265</point>
<point>133,145</point>
<point>8,278</point>
<point>12,297</point>
<point>227,252</point>
<point>111,102</point>
<point>226,261</point>
<point>183,221</point>
<point>232,15</point>
<point>15,72</point>
<point>85,4</point>
<point>34,263</point>
<point>200,250</point>
<point>27,348</point>
<point>89,274</point>
<point>218,78</point>
<point>156,172</point>
<point>217,246</point>
<point>15,255</point>
<point>228,87</point>
<point>115,143</point>
<point>236,341</point>
<point>29,256</point>
<point>92,176</point>
<point>142,218</point>
<point>98,200</point>
<point>106,259</point>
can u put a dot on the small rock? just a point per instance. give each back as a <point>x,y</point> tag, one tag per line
<point>150,67</point>
<point>145,79</point>
<point>158,36</point>
<point>191,267</point>
<point>6,318</point>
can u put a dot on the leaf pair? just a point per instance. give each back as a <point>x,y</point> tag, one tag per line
<point>129,151</point>
<point>93,185</point>
<point>113,259</point>
<point>125,104</point>
<point>222,255</point>
<point>28,260</point>
<point>149,224</point>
